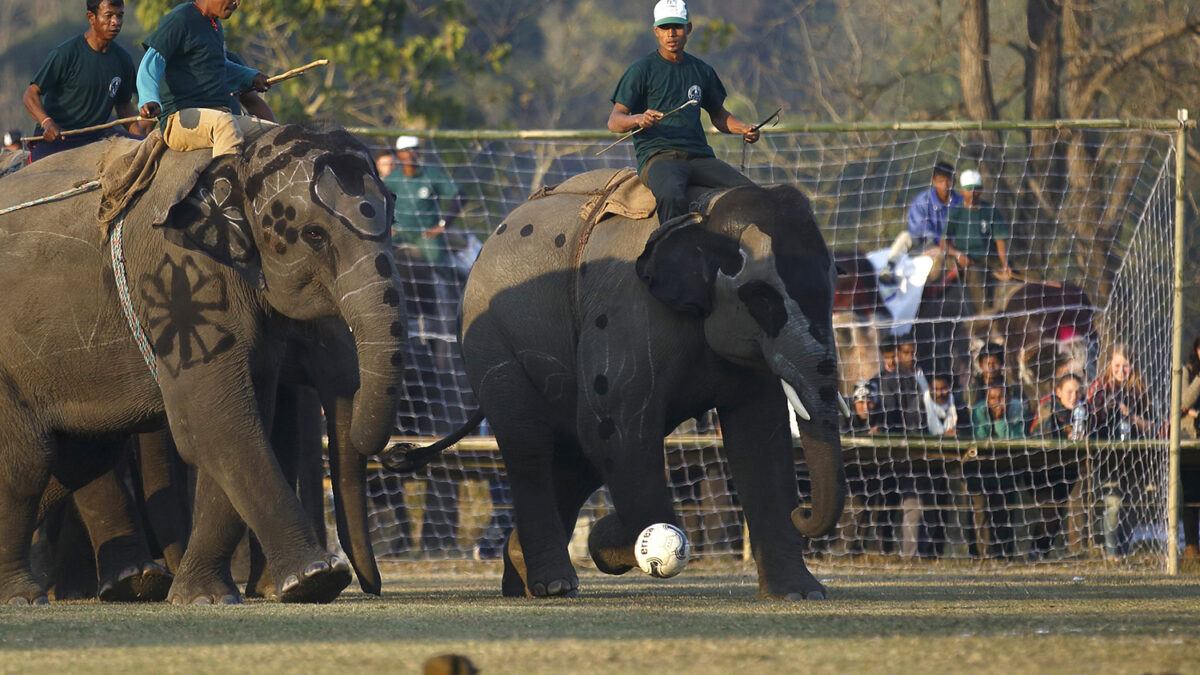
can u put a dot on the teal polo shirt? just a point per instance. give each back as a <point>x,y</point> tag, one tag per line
<point>419,207</point>
<point>80,85</point>
<point>975,231</point>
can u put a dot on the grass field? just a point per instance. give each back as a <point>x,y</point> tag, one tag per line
<point>691,624</point>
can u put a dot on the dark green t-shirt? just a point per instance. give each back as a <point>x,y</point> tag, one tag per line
<point>654,83</point>
<point>418,208</point>
<point>975,231</point>
<point>194,49</point>
<point>80,85</point>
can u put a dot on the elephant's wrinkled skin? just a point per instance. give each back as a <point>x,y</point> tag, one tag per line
<point>297,226</point>
<point>582,372</point>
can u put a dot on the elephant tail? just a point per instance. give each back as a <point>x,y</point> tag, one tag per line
<point>407,457</point>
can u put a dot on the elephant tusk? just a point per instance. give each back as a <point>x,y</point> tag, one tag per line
<point>794,399</point>
<point>845,408</point>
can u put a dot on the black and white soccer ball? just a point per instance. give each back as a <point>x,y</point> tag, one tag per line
<point>662,550</point>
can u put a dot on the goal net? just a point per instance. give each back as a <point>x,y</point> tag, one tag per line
<point>1009,373</point>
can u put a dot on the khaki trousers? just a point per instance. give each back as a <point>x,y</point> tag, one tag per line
<point>198,128</point>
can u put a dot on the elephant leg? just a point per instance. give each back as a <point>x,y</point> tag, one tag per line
<point>243,468</point>
<point>758,447</point>
<point>204,572</point>
<point>125,570</point>
<point>575,479</point>
<point>165,494</point>
<point>527,445</point>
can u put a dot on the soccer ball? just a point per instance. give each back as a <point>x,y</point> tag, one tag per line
<point>662,550</point>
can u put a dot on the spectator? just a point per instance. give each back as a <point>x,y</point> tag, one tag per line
<point>899,392</point>
<point>867,419</point>
<point>944,413</point>
<point>1118,401</point>
<point>998,415</point>
<point>1057,485</point>
<point>990,368</point>
<point>12,139</point>
<point>926,220</point>
<point>673,152</point>
<point>186,53</point>
<point>977,238</point>
<point>1188,428</point>
<point>906,356</point>
<point>81,82</point>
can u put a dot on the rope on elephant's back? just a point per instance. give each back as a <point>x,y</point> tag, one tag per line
<point>71,192</point>
<point>122,283</point>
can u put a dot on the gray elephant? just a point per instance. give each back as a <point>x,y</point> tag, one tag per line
<point>296,226</point>
<point>586,346</point>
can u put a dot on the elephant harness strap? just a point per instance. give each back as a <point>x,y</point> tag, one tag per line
<point>135,326</point>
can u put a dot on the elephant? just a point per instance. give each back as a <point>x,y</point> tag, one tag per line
<point>1042,326</point>
<point>295,227</point>
<point>586,345</point>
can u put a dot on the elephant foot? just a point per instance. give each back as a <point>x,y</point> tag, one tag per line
<point>204,589</point>
<point>805,588</point>
<point>262,587</point>
<point>542,577</point>
<point>23,592</point>
<point>320,582</point>
<point>610,547</point>
<point>149,583</point>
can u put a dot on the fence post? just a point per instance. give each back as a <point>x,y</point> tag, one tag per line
<point>1173,484</point>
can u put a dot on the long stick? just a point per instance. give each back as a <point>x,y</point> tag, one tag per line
<point>635,131</point>
<point>98,127</point>
<point>296,71</point>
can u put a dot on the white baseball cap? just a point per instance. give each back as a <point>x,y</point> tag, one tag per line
<point>970,179</point>
<point>407,142</point>
<point>670,11</point>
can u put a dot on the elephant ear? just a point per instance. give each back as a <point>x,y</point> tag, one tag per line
<point>211,219</point>
<point>680,263</point>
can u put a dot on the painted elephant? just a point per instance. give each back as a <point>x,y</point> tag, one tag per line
<point>295,227</point>
<point>585,347</point>
<point>1043,325</point>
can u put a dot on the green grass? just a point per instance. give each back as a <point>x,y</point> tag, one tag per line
<point>691,624</point>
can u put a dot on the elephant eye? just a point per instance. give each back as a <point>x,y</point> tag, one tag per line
<point>315,236</point>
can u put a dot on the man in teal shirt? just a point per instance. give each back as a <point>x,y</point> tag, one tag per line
<point>420,191</point>
<point>673,152</point>
<point>977,238</point>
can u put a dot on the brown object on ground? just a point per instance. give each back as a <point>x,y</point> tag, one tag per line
<point>449,664</point>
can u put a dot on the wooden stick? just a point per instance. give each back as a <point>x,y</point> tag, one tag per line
<point>98,127</point>
<point>296,71</point>
<point>635,131</point>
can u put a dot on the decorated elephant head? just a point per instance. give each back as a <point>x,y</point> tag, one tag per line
<point>754,266</point>
<point>302,215</point>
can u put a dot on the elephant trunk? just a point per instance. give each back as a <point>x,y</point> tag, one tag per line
<point>827,477</point>
<point>348,470</point>
<point>818,405</point>
<point>379,336</point>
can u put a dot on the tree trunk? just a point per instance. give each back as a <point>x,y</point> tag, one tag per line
<point>974,61</point>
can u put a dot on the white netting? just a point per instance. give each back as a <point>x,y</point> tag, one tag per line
<point>1089,217</point>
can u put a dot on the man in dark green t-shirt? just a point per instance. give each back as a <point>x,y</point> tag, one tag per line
<point>80,83</point>
<point>977,238</point>
<point>185,78</point>
<point>672,152</point>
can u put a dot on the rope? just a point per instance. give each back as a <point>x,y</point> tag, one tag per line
<point>135,327</point>
<point>85,187</point>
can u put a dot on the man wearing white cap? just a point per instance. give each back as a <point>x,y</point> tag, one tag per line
<point>977,238</point>
<point>672,152</point>
<point>420,191</point>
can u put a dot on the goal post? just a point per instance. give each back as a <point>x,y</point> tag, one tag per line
<point>1063,284</point>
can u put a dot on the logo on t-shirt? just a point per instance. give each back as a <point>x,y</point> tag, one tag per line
<point>694,92</point>
<point>114,86</point>
<point>423,192</point>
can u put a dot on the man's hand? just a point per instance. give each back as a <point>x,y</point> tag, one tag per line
<point>750,135</point>
<point>150,109</point>
<point>1004,273</point>
<point>260,83</point>
<point>50,131</point>
<point>650,118</point>
<point>435,230</point>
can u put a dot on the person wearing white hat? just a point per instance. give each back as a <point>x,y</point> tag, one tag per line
<point>977,238</point>
<point>672,151</point>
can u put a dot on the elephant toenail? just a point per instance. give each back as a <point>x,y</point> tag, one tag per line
<point>816,595</point>
<point>289,583</point>
<point>18,602</point>
<point>230,600</point>
<point>539,589</point>
<point>316,568</point>
<point>340,565</point>
<point>105,589</point>
<point>41,600</point>
<point>127,572</point>
<point>202,600</point>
